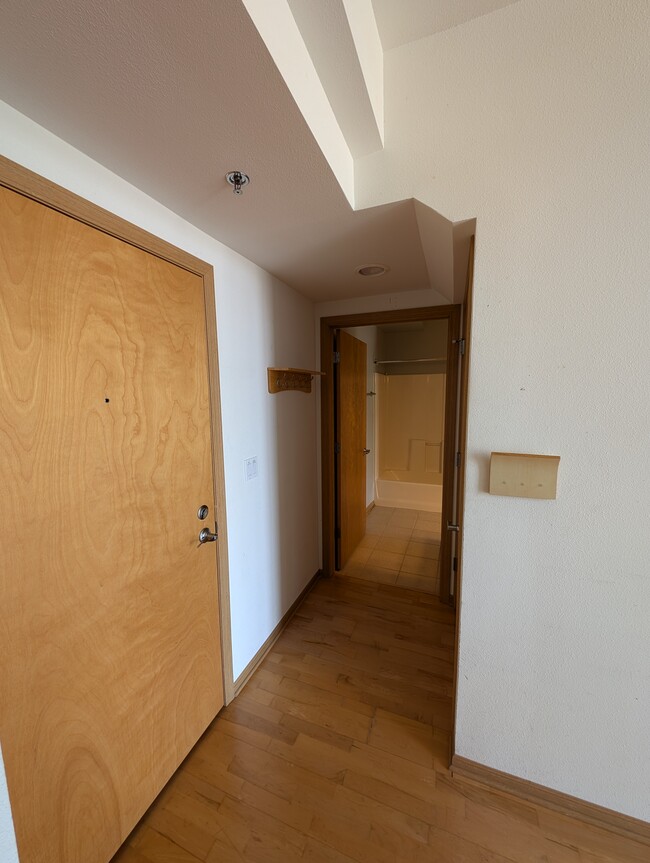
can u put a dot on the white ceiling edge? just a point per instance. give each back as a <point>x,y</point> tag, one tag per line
<point>363,26</point>
<point>278,29</point>
<point>411,20</point>
<point>334,51</point>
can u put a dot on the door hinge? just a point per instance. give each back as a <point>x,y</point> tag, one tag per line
<point>461,345</point>
<point>337,357</point>
<point>457,459</point>
<point>454,564</point>
<point>337,449</point>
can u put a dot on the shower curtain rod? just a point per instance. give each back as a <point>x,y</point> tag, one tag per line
<point>427,360</point>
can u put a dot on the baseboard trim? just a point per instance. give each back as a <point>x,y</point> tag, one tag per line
<point>599,816</point>
<point>370,507</point>
<point>251,668</point>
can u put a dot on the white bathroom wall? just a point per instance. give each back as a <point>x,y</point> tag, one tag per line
<point>416,341</point>
<point>535,120</point>
<point>410,415</point>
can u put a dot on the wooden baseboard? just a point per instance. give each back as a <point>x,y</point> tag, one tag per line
<point>250,669</point>
<point>370,508</point>
<point>574,807</point>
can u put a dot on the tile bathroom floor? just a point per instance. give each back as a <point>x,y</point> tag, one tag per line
<point>401,547</point>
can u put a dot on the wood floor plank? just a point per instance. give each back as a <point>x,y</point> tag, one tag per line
<point>209,771</point>
<point>315,757</point>
<point>334,717</point>
<point>404,737</point>
<point>182,821</point>
<point>245,715</point>
<point>594,840</point>
<point>337,751</point>
<point>386,682</point>
<point>385,792</point>
<point>318,732</point>
<point>350,839</point>
<point>455,794</point>
<point>316,852</point>
<point>292,814</point>
<point>514,838</point>
<point>304,692</point>
<point>449,848</point>
<point>157,848</point>
<point>195,788</point>
<point>258,830</point>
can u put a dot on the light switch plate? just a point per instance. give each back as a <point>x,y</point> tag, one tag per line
<point>250,468</point>
<point>524,475</point>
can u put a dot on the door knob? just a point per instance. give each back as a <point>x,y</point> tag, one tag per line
<point>206,535</point>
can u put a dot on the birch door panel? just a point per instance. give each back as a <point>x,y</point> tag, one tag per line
<point>351,436</point>
<point>110,645</point>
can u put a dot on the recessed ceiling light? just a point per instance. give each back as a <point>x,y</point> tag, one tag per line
<point>372,270</point>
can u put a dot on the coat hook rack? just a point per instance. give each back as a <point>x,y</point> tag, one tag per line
<point>282,380</point>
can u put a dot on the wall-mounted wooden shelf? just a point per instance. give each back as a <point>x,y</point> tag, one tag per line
<point>281,380</point>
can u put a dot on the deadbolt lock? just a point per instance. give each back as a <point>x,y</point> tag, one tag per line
<point>203,512</point>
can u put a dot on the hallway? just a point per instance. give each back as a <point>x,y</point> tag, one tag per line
<point>337,751</point>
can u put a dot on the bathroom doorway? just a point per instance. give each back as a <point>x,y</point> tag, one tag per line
<point>409,388</point>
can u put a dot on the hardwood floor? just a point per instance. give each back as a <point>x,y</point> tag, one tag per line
<point>337,751</point>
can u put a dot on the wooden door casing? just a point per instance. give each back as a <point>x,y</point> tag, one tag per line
<point>450,475</point>
<point>328,329</point>
<point>467,311</point>
<point>111,664</point>
<point>351,437</point>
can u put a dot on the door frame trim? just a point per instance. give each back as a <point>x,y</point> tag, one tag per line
<point>463,411</point>
<point>25,182</point>
<point>328,325</point>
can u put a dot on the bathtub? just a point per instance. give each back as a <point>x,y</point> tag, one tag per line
<point>405,489</point>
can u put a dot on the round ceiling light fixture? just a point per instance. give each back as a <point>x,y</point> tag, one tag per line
<point>372,270</point>
<point>238,180</point>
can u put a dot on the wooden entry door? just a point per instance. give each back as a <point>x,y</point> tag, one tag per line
<point>350,413</point>
<point>110,662</point>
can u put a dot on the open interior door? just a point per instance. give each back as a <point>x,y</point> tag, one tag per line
<point>350,463</point>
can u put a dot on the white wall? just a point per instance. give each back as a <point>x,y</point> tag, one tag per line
<point>535,120</point>
<point>8,852</point>
<point>272,520</point>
